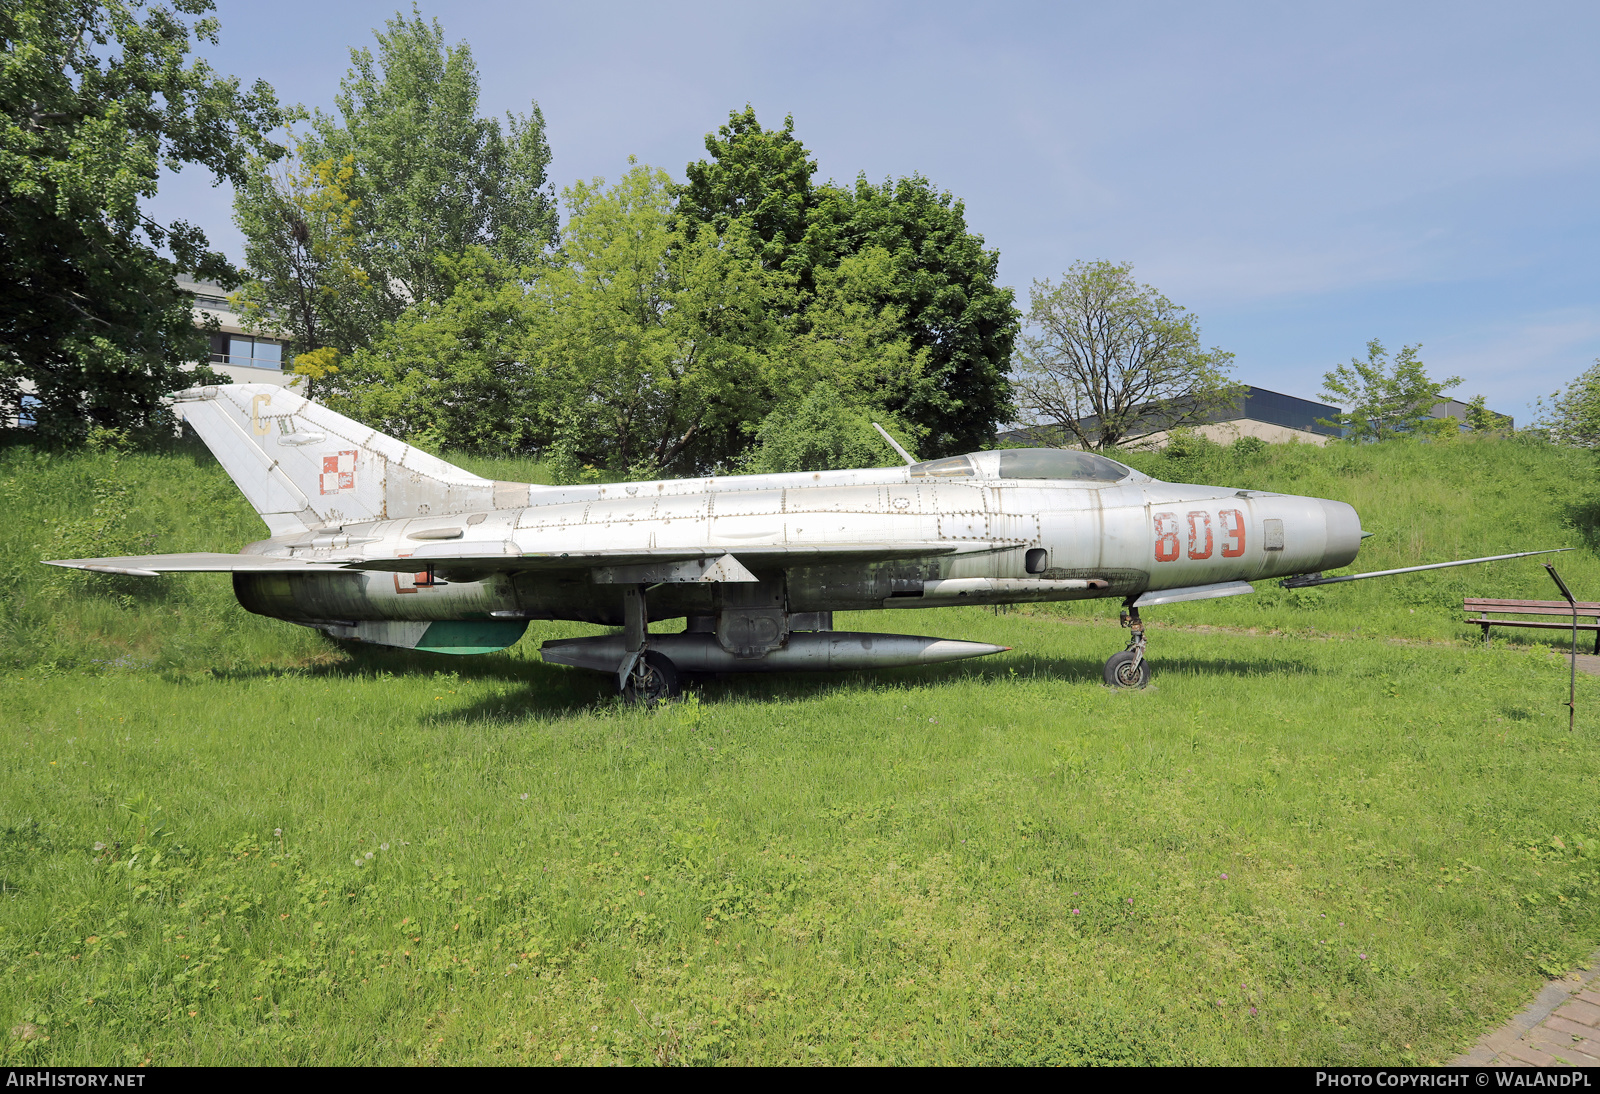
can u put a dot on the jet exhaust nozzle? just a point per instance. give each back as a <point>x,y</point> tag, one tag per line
<point>804,652</point>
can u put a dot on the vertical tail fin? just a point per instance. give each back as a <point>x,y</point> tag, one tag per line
<point>302,466</point>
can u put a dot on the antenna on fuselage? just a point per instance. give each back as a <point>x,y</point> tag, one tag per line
<point>884,433</point>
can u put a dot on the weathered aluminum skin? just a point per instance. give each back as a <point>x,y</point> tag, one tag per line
<point>1108,533</point>
<point>391,533</point>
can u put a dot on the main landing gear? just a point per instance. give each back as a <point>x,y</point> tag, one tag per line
<point>654,679</point>
<point>1129,669</point>
<point>645,677</point>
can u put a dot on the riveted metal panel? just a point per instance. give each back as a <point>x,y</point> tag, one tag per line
<point>833,499</point>
<point>904,499</point>
<point>624,509</point>
<point>691,507</point>
<point>745,503</point>
<point>963,526</point>
<point>554,516</point>
<point>951,497</point>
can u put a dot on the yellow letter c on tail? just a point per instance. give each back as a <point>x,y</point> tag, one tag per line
<point>260,428</point>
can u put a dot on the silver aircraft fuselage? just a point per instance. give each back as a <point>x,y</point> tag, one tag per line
<point>376,541</point>
<point>1064,540</point>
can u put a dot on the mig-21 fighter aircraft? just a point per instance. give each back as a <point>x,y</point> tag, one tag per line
<point>376,541</point>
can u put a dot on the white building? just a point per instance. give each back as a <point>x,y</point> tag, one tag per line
<point>243,357</point>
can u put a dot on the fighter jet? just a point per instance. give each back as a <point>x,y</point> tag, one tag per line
<point>375,541</point>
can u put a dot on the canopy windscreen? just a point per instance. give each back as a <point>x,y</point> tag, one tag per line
<point>1059,463</point>
<point>951,467</point>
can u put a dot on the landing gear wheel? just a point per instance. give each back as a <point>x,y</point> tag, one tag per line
<point>654,679</point>
<point>1122,672</point>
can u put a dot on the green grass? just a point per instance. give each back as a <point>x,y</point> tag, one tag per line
<point>912,866</point>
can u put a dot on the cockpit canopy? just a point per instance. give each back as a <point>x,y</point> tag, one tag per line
<point>1026,463</point>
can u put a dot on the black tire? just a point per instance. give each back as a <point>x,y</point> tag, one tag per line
<point>1121,672</point>
<point>653,680</point>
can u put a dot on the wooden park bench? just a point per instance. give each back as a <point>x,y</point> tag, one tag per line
<point>1588,615</point>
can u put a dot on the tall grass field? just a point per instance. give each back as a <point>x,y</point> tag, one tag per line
<point>1336,830</point>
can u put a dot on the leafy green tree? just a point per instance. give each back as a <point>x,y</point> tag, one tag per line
<point>403,173</point>
<point>96,96</point>
<point>1480,419</point>
<point>943,289</point>
<point>826,431</point>
<point>431,176</point>
<point>1573,414</point>
<point>849,340</point>
<point>761,177</point>
<point>315,366</point>
<point>309,286</point>
<point>1109,361</point>
<point>650,336</point>
<point>1385,398</point>
<point>452,373</point>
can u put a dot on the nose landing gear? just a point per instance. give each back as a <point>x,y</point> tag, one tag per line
<point>1129,669</point>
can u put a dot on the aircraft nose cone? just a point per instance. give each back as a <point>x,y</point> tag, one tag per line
<point>1343,535</point>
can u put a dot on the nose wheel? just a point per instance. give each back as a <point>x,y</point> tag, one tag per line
<point>1129,669</point>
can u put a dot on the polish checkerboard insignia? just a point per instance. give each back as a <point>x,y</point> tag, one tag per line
<point>339,473</point>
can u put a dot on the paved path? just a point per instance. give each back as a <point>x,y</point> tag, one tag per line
<point>1590,663</point>
<point>1561,1029</point>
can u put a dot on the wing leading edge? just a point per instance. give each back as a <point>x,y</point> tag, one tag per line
<point>721,563</point>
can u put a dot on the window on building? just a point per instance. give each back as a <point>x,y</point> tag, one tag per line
<point>242,349</point>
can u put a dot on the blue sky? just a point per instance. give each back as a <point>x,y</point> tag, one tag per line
<point>1302,177</point>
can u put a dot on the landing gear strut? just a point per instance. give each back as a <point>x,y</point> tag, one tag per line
<point>645,676</point>
<point>1129,669</point>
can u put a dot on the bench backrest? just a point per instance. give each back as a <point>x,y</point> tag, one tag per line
<point>1529,607</point>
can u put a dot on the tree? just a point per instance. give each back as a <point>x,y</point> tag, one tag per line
<point>1111,361</point>
<point>1480,419</point>
<point>826,431</point>
<point>452,373</point>
<point>414,174</point>
<point>650,335</point>
<point>943,287</point>
<point>1573,414</point>
<point>1384,398</point>
<point>301,244</point>
<point>95,98</point>
<point>761,177</point>
<point>431,176</point>
<point>849,340</point>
